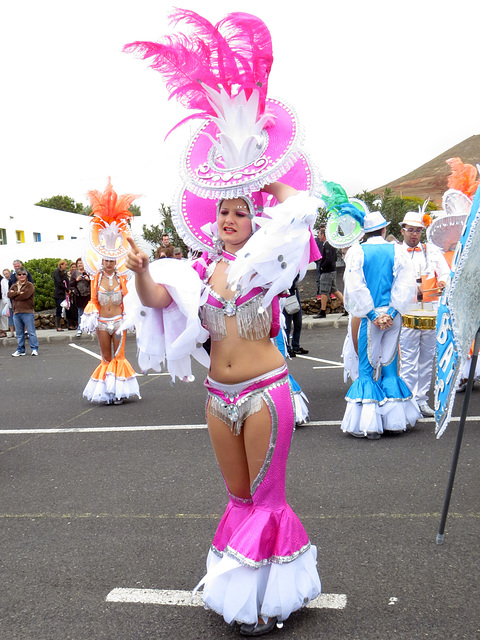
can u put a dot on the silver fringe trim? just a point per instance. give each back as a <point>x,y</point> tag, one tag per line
<point>235,414</point>
<point>253,322</point>
<point>213,320</point>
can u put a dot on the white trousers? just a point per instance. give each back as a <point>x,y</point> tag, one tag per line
<point>417,355</point>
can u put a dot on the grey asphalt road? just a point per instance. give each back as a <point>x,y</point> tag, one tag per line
<point>84,512</point>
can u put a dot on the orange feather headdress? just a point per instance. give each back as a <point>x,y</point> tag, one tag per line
<point>109,206</point>
<point>463,177</point>
<point>109,225</point>
<point>447,227</point>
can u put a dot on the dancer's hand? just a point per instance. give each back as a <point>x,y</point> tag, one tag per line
<point>137,260</point>
<point>383,322</point>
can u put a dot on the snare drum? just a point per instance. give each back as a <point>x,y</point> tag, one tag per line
<point>420,319</point>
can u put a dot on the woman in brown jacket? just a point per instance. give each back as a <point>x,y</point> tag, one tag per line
<point>21,294</point>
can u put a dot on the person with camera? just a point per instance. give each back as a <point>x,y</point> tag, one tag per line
<point>80,287</point>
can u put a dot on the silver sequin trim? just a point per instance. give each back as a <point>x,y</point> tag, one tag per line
<point>248,562</point>
<point>240,500</point>
<point>246,406</point>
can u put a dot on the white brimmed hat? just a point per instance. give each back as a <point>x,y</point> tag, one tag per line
<point>373,221</point>
<point>413,218</point>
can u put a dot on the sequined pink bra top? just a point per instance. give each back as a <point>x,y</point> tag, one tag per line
<point>110,297</point>
<point>253,321</point>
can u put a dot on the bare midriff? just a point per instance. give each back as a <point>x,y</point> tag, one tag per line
<point>236,359</point>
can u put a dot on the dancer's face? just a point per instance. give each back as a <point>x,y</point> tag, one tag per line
<point>234,224</point>
<point>108,266</point>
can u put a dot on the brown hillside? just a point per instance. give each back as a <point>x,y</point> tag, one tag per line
<point>430,180</point>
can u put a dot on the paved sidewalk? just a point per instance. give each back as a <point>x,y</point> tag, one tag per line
<point>52,335</point>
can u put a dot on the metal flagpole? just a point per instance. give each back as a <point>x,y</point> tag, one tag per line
<point>463,417</point>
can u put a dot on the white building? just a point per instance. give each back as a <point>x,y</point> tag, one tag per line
<point>39,232</point>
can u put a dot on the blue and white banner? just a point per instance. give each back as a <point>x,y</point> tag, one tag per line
<point>458,318</point>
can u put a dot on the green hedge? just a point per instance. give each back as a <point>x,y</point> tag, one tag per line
<point>42,274</point>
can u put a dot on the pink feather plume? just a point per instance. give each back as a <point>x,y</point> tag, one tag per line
<point>236,54</point>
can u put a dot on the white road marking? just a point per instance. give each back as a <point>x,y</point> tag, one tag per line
<point>90,353</point>
<point>331,366</point>
<point>175,427</point>
<point>98,357</point>
<point>168,427</point>
<point>339,364</point>
<point>184,598</point>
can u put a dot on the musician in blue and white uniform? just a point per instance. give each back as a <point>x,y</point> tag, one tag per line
<point>379,285</point>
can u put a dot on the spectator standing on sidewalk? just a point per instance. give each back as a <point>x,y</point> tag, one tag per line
<point>13,275</point>
<point>4,307</point>
<point>6,280</point>
<point>21,294</point>
<point>320,242</point>
<point>293,341</point>
<point>80,288</point>
<point>61,293</point>
<point>328,275</point>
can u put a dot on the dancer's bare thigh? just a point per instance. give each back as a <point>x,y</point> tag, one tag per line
<point>240,458</point>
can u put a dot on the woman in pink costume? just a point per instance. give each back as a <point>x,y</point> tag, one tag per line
<point>261,565</point>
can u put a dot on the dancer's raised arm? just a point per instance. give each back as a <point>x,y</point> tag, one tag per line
<point>280,190</point>
<point>150,293</point>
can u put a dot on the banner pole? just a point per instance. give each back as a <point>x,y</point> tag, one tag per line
<point>458,444</point>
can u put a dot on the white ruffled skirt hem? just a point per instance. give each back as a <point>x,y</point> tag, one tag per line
<point>242,594</point>
<point>369,417</point>
<point>110,389</point>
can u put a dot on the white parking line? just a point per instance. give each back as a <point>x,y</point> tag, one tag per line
<point>184,598</point>
<point>330,366</point>
<point>98,357</point>
<point>90,353</point>
<point>167,427</point>
<point>338,364</point>
<point>173,427</point>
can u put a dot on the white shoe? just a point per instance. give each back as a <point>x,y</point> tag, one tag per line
<point>34,352</point>
<point>17,354</point>
<point>426,410</point>
<point>79,333</point>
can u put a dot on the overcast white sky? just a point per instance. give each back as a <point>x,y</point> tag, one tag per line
<point>380,87</point>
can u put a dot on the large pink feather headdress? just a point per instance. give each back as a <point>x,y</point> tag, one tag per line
<point>220,73</point>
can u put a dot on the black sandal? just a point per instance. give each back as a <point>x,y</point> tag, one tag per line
<point>254,630</point>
